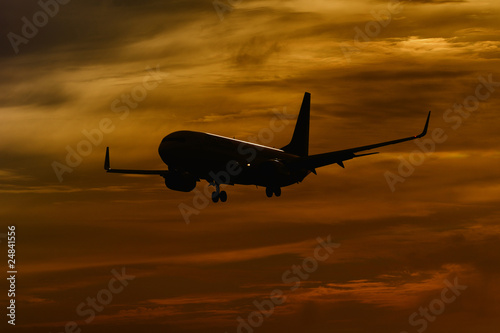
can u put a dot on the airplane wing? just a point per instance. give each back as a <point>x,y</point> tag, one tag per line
<point>132,172</point>
<point>315,161</point>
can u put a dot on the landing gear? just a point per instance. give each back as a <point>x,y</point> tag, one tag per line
<point>215,196</point>
<point>218,194</point>
<point>270,191</point>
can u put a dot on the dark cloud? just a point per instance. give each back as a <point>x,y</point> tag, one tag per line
<point>255,52</point>
<point>84,30</point>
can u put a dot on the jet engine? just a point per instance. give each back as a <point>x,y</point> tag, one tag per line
<point>272,171</point>
<point>177,181</point>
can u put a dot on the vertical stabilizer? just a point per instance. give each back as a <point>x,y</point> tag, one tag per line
<point>300,139</point>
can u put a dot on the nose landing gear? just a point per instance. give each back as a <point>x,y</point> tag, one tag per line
<point>273,190</point>
<point>218,194</point>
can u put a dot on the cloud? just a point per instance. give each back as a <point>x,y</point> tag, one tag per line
<point>255,52</point>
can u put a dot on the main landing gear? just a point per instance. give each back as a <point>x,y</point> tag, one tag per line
<point>273,190</point>
<point>218,194</point>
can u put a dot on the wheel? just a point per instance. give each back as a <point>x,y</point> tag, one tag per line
<point>223,196</point>
<point>277,191</point>
<point>215,196</point>
<point>269,192</point>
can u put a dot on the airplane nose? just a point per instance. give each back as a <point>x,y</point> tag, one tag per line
<point>165,147</point>
<point>168,151</point>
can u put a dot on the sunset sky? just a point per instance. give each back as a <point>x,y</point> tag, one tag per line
<point>373,68</point>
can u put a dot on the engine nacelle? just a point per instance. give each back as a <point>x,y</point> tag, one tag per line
<point>183,182</point>
<point>273,167</point>
<point>273,172</point>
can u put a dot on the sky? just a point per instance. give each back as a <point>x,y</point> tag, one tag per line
<point>407,240</point>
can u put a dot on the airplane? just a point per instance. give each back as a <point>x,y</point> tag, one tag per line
<point>194,156</point>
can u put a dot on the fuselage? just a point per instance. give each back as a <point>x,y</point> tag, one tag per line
<point>228,161</point>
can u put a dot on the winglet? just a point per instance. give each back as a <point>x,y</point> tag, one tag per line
<point>424,132</point>
<point>106,160</point>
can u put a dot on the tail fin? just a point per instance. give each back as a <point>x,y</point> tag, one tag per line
<point>300,139</point>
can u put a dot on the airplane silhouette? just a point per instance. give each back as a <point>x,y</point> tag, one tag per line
<point>195,156</point>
